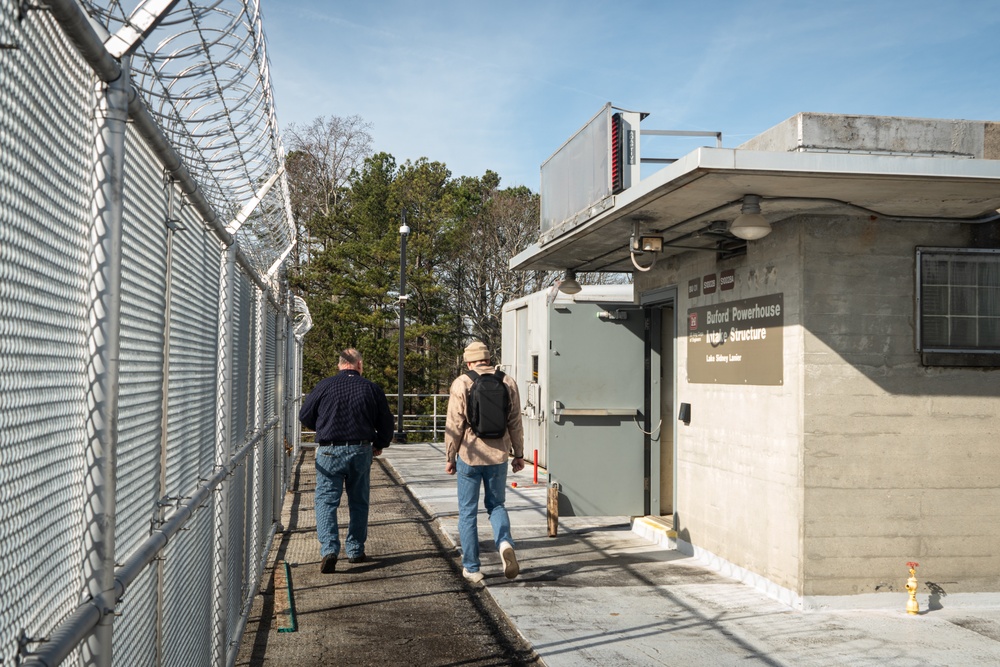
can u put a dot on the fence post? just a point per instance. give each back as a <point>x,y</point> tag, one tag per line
<point>104,344</point>
<point>256,474</point>
<point>282,384</point>
<point>160,512</point>
<point>223,451</point>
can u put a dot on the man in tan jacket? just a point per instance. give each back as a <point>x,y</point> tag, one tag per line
<point>482,461</point>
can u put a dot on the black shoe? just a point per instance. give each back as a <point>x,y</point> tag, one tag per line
<point>360,558</point>
<point>329,564</point>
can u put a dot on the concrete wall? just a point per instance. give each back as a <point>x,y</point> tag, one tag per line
<point>739,462</point>
<point>900,460</point>
<point>881,134</point>
<point>864,459</point>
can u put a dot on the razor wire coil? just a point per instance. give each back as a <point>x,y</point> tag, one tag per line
<point>205,78</point>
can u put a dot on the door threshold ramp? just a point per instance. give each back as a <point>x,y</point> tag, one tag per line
<point>656,529</point>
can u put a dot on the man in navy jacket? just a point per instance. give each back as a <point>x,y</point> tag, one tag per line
<point>353,423</point>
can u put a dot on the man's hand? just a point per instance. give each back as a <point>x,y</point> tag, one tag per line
<point>517,465</point>
<point>376,452</point>
<point>450,467</point>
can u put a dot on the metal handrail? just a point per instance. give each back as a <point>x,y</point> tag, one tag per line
<point>413,422</point>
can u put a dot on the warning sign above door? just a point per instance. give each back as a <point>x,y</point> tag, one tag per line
<point>738,342</point>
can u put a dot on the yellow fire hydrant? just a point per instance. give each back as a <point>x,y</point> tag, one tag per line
<point>912,606</point>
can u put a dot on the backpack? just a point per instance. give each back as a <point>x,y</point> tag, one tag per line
<point>488,404</point>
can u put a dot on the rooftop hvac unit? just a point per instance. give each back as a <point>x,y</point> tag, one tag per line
<point>600,160</point>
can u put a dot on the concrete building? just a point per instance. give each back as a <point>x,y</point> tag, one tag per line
<point>821,397</point>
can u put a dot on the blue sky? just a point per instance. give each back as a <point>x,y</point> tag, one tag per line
<point>502,84</point>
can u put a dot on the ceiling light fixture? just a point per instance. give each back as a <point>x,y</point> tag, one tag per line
<point>750,225</point>
<point>569,284</point>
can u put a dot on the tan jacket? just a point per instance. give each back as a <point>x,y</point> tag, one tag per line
<point>459,439</point>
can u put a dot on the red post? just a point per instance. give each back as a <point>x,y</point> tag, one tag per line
<point>536,467</point>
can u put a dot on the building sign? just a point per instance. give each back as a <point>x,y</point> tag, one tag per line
<point>694,288</point>
<point>727,280</point>
<point>738,342</point>
<point>708,284</point>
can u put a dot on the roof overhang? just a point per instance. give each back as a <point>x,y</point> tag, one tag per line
<point>681,200</point>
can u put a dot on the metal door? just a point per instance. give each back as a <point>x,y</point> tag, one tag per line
<point>599,409</point>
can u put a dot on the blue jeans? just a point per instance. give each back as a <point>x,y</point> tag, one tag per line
<point>494,481</point>
<point>338,467</point>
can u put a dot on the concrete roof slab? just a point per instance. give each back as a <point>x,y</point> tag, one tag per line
<point>709,183</point>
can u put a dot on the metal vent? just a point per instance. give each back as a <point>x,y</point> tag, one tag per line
<point>617,155</point>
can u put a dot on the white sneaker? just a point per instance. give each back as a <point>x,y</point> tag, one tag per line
<point>510,566</point>
<point>474,577</point>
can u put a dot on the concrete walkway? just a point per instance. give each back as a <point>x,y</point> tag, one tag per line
<point>599,594</point>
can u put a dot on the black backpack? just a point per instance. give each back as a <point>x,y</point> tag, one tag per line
<point>488,404</point>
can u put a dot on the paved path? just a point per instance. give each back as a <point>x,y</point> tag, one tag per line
<point>597,594</point>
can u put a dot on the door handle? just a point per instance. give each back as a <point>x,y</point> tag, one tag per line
<point>559,411</point>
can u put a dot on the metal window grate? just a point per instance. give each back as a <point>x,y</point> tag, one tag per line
<point>959,300</point>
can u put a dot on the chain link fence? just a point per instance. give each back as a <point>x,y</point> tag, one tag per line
<point>150,351</point>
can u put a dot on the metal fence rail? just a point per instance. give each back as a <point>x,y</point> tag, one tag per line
<point>423,415</point>
<point>149,345</point>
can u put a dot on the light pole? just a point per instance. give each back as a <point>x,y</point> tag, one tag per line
<point>404,231</point>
